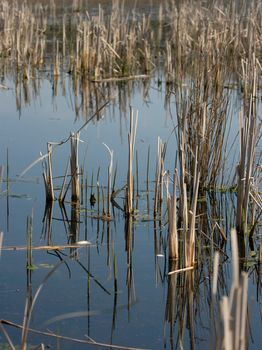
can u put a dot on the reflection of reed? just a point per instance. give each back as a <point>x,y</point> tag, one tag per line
<point>114,314</point>
<point>170,312</point>
<point>7,190</point>
<point>129,239</point>
<point>47,222</point>
<point>158,247</point>
<point>186,309</point>
<point>75,187</point>
<point>232,331</point>
<point>74,227</point>
<point>28,307</point>
<point>85,97</point>
<point>180,306</point>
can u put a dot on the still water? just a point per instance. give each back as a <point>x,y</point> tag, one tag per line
<point>114,290</point>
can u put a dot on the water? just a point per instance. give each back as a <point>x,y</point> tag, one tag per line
<point>79,299</point>
<point>25,135</point>
<point>115,289</point>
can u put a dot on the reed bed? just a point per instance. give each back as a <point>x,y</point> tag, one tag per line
<point>123,43</point>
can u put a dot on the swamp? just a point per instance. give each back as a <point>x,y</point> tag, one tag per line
<point>130,174</point>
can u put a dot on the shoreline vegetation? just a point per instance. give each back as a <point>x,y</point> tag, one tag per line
<point>203,51</point>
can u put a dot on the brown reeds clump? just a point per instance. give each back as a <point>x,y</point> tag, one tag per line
<point>120,42</point>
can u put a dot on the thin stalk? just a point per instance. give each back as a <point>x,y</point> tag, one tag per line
<point>75,188</point>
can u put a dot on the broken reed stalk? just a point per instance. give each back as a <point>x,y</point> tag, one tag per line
<point>48,175</point>
<point>248,138</point>
<point>233,334</point>
<point>75,187</point>
<point>172,218</point>
<point>131,146</point>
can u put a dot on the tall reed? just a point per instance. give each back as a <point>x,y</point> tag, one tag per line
<point>131,146</point>
<point>159,175</point>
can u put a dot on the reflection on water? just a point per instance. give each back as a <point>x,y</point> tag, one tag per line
<point>116,290</point>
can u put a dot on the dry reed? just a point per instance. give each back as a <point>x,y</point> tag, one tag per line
<point>120,43</point>
<point>48,175</point>
<point>172,218</point>
<point>159,175</point>
<point>131,146</point>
